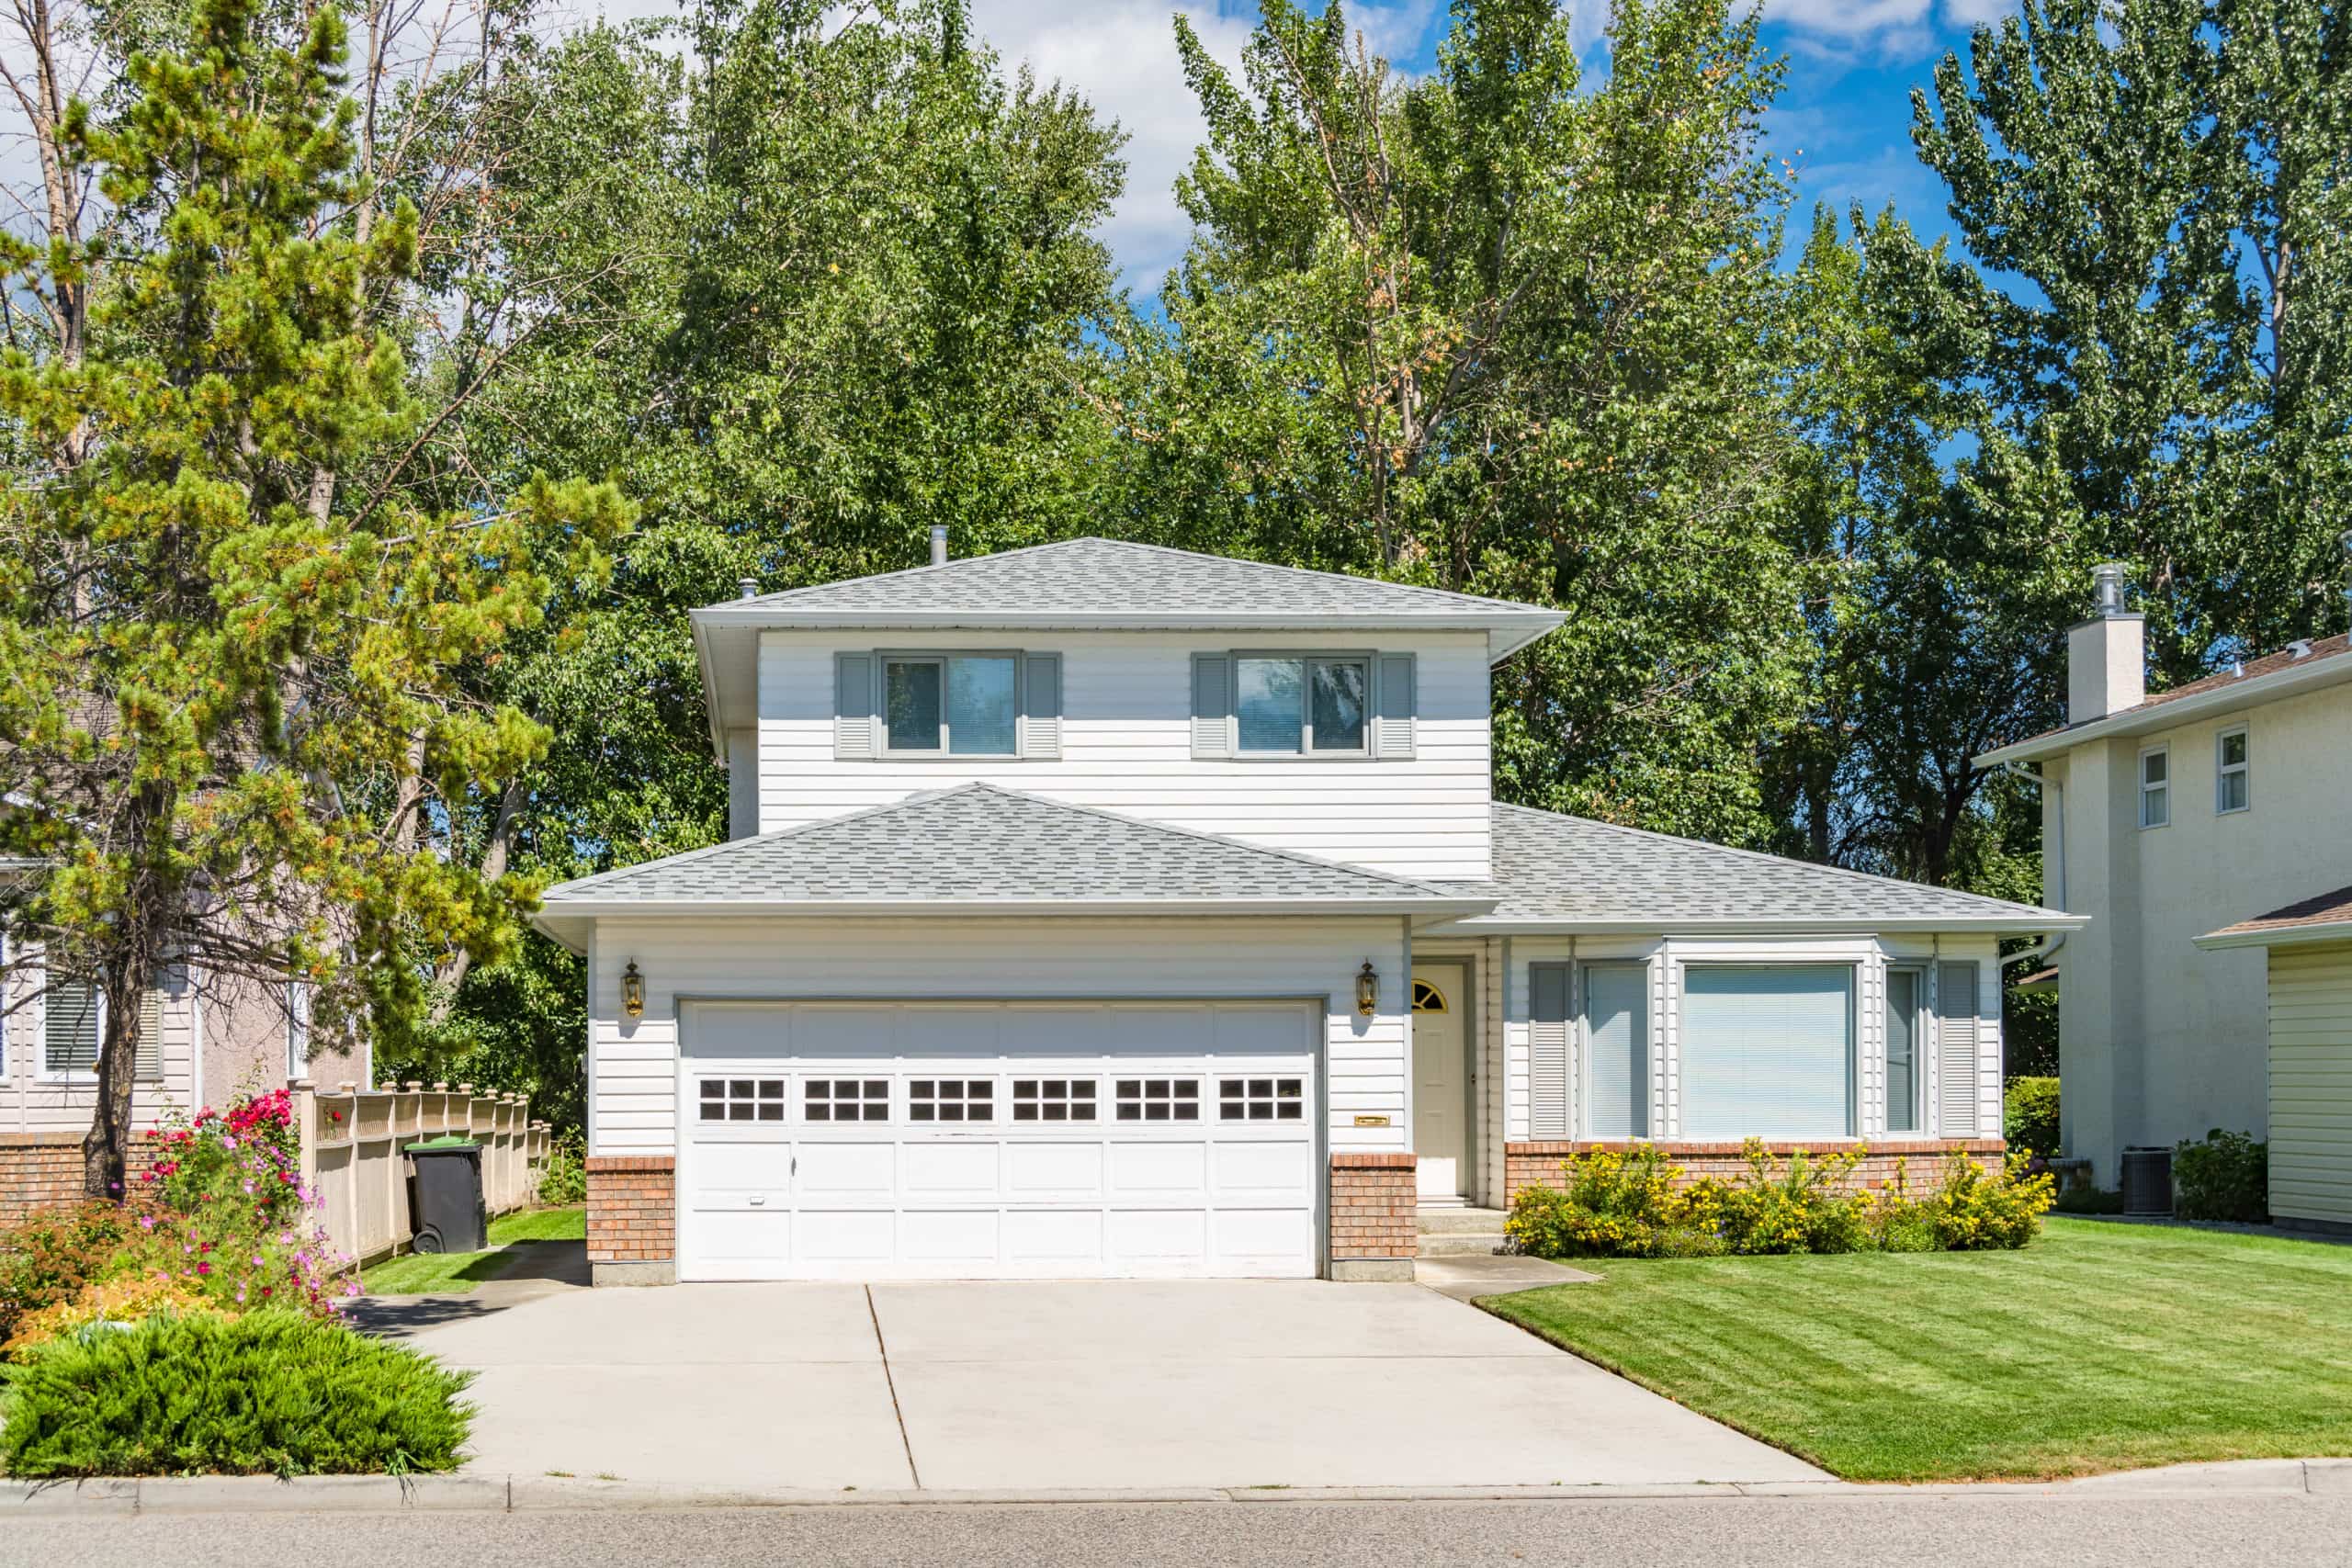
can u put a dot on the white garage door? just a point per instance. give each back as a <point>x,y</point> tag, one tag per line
<point>998,1140</point>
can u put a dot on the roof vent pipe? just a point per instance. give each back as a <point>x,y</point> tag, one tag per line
<point>2107,581</point>
<point>747,588</point>
<point>939,544</point>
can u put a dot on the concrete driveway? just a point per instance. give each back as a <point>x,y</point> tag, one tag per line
<point>1049,1387</point>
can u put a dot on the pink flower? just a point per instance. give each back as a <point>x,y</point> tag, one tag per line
<point>146,1222</point>
<point>204,1267</point>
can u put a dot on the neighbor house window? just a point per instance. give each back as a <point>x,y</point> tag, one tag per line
<point>2231,787</point>
<point>1301,704</point>
<point>297,1029</point>
<point>2156,788</point>
<point>958,705</point>
<point>1768,1051</point>
<point>1906,1013</point>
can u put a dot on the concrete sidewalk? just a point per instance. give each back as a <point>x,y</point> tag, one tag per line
<point>1037,1389</point>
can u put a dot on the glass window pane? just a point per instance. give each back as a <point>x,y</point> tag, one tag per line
<point>979,707</point>
<point>2153,813</point>
<point>1766,1053</point>
<point>1338,707</point>
<point>1270,716</point>
<point>2234,792</point>
<point>2153,765</point>
<point>910,694</point>
<point>1903,1050</point>
<point>2232,750</point>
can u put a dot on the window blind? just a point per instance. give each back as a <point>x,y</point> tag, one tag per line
<point>1767,1052</point>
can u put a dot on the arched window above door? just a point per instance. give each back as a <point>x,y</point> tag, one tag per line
<point>1428,998</point>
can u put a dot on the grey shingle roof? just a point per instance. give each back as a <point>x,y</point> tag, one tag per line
<point>980,843</point>
<point>1110,576</point>
<point>1559,872</point>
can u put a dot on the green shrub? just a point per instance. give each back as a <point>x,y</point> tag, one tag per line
<point>2089,1200</point>
<point>1896,1222</point>
<point>1799,1205</point>
<point>1976,1212</point>
<point>2226,1175</point>
<point>1610,1205</point>
<point>48,1258</point>
<point>565,1180</point>
<point>271,1392</point>
<point>2029,1115</point>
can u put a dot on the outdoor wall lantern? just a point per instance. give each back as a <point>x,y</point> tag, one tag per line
<point>632,991</point>
<point>1367,990</point>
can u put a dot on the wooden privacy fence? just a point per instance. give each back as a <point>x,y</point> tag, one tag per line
<point>352,1143</point>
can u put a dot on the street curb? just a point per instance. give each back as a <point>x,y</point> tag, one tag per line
<point>517,1493</point>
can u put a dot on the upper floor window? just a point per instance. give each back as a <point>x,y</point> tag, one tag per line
<point>960,705</point>
<point>2232,786</point>
<point>2156,788</point>
<point>1301,704</point>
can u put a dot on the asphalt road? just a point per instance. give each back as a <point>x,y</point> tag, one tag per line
<point>2276,1531</point>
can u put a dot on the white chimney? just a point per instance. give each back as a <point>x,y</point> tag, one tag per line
<point>939,544</point>
<point>2106,658</point>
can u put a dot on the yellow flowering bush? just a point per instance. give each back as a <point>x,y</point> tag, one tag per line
<point>1612,1204</point>
<point>129,1299</point>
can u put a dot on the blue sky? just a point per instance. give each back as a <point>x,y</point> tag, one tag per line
<point>1844,119</point>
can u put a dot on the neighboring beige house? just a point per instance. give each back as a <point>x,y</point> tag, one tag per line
<point>1098,910</point>
<point>2165,818</point>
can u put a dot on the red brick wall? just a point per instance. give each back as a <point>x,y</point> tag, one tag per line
<point>1525,1164</point>
<point>632,1209</point>
<point>43,1170</point>
<point>1373,1206</point>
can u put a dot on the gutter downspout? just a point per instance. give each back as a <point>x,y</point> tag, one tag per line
<point>2053,857</point>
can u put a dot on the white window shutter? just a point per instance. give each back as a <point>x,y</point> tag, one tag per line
<point>1041,705</point>
<point>147,1063</point>
<point>1395,705</point>
<point>854,721</point>
<point>1548,1040</point>
<point>1212,705</point>
<point>1956,1050</point>
<point>70,1027</point>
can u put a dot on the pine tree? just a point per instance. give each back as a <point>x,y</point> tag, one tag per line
<point>218,666</point>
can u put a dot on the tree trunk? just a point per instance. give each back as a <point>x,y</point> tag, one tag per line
<point>106,1151</point>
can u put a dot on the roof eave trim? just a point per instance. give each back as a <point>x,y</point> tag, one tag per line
<point>1980,925</point>
<point>2149,717</point>
<point>2277,936</point>
<point>749,615</point>
<point>707,670</point>
<point>924,908</point>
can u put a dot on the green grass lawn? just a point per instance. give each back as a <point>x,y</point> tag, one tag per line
<point>2101,1346</point>
<point>418,1272</point>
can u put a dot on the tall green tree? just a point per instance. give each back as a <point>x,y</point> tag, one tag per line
<point>1496,331</point>
<point>230,699</point>
<point>2163,190</point>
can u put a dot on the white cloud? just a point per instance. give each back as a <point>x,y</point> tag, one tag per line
<point>1893,26</point>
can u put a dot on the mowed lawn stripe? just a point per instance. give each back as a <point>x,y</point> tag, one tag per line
<point>2101,1347</point>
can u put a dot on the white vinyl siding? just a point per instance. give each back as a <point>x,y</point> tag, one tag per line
<point>2311,1083</point>
<point>635,1060</point>
<point>1617,1049</point>
<point>1768,1051</point>
<point>1129,743</point>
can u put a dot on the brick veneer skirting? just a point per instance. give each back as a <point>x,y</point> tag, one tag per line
<point>1526,1165</point>
<point>43,1170</point>
<point>1375,1229</point>
<point>632,1219</point>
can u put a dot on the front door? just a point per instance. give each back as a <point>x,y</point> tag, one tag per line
<point>1441,1084</point>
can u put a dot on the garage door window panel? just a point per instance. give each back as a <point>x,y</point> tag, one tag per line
<point>845,1100</point>
<point>1159,1100</point>
<point>950,1100</point>
<point>733,1100</point>
<point>1768,1051</point>
<point>1261,1100</point>
<point>1054,1100</point>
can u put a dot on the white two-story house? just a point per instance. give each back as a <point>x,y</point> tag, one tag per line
<point>1101,910</point>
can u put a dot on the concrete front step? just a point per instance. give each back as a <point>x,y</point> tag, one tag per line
<point>1458,1243</point>
<point>1462,1221</point>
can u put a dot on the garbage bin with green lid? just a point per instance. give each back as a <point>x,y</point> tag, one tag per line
<point>445,1203</point>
